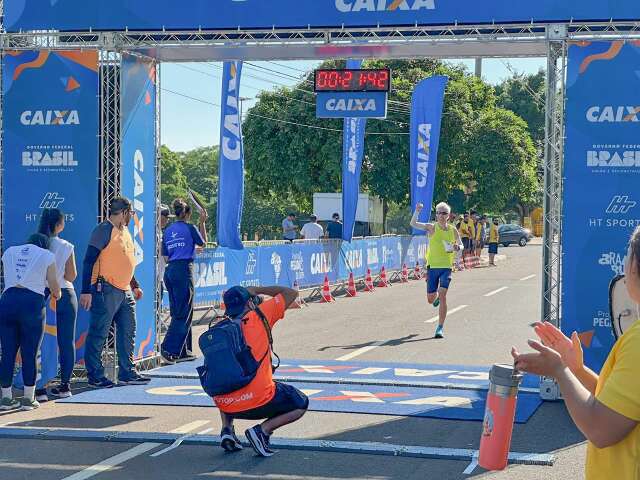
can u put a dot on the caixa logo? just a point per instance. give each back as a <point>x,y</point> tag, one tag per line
<point>424,153</point>
<point>613,114</point>
<point>50,117</point>
<point>347,6</point>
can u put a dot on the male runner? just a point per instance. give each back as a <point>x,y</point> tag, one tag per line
<point>444,241</point>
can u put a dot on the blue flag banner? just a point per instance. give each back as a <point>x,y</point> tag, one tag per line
<point>50,152</point>
<point>602,157</point>
<point>231,168</point>
<point>352,153</point>
<point>138,80</point>
<point>426,118</point>
<point>299,14</point>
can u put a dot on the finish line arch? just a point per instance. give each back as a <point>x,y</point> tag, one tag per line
<point>331,29</point>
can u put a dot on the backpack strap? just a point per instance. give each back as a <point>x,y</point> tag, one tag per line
<point>267,328</point>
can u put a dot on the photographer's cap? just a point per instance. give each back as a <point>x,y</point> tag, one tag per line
<point>165,212</point>
<point>235,300</point>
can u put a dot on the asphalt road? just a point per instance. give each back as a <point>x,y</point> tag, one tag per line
<point>495,307</point>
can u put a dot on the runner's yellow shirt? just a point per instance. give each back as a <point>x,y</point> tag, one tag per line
<point>619,389</point>
<point>494,236</point>
<point>471,228</point>
<point>464,229</point>
<point>439,242</point>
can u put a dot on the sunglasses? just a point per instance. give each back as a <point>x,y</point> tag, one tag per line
<point>442,213</point>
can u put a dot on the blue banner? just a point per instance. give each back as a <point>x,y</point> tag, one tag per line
<point>351,105</point>
<point>305,264</point>
<point>50,152</point>
<point>600,196</point>
<point>231,167</point>
<point>426,117</point>
<point>352,153</point>
<point>260,14</point>
<point>138,90</point>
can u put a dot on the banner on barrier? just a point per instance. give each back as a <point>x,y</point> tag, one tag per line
<point>602,155</point>
<point>50,152</point>
<point>426,118</point>
<point>231,168</point>
<point>216,270</point>
<point>138,90</point>
<point>80,15</point>
<point>352,153</point>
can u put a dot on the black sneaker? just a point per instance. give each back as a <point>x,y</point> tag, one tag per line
<point>186,358</point>
<point>135,380</point>
<point>168,358</point>
<point>259,441</point>
<point>41,395</point>
<point>103,382</point>
<point>61,391</point>
<point>228,440</point>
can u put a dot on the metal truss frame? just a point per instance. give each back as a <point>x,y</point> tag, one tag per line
<point>552,39</point>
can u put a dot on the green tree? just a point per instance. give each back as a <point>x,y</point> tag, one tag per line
<point>174,181</point>
<point>504,161</point>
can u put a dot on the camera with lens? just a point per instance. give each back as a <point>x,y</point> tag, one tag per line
<point>256,299</point>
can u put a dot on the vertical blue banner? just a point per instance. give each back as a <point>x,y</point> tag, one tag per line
<point>426,118</point>
<point>352,153</point>
<point>231,168</point>
<point>138,131</point>
<point>600,193</point>
<point>50,156</point>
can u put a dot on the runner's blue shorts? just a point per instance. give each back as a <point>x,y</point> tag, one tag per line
<point>438,278</point>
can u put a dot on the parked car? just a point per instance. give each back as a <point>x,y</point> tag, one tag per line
<point>512,233</point>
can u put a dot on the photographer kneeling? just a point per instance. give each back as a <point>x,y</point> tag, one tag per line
<point>262,398</point>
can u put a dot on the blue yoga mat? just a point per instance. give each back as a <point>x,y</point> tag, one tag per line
<point>454,404</point>
<point>460,376</point>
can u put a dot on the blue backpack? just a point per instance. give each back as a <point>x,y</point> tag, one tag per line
<point>229,364</point>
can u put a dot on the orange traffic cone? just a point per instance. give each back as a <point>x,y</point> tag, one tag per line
<point>383,283</point>
<point>404,277</point>
<point>351,287</point>
<point>368,282</point>
<point>326,291</point>
<point>417,273</point>
<point>299,301</point>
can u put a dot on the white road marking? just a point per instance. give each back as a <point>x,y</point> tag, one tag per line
<point>472,466</point>
<point>491,294</point>
<point>450,312</point>
<point>179,441</point>
<point>529,277</point>
<point>370,371</point>
<point>359,352</point>
<point>109,463</point>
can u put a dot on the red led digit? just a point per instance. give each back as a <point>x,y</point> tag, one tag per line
<point>322,79</point>
<point>346,79</point>
<point>383,79</point>
<point>333,79</point>
<point>362,79</point>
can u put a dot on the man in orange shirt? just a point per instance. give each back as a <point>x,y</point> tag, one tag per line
<point>280,404</point>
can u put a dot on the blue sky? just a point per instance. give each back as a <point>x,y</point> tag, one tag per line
<point>190,119</point>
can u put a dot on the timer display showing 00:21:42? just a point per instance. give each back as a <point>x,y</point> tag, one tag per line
<point>378,80</point>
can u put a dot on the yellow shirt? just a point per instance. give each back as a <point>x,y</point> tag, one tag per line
<point>464,229</point>
<point>619,389</point>
<point>471,229</point>
<point>494,236</point>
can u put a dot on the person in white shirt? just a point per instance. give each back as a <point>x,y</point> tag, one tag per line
<point>312,230</point>
<point>51,225</point>
<point>28,270</point>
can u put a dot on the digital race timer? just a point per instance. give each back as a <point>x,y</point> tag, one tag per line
<point>335,80</point>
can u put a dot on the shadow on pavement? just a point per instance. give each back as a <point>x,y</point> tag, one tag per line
<point>396,342</point>
<point>78,421</point>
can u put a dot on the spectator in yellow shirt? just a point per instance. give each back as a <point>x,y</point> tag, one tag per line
<point>605,407</point>
<point>494,238</point>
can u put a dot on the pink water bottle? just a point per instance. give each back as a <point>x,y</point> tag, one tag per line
<point>497,426</point>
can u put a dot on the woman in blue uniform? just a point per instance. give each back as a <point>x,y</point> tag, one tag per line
<point>179,243</point>
<point>28,270</point>
<point>52,224</point>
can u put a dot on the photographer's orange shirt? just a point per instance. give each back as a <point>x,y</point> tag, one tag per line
<point>262,389</point>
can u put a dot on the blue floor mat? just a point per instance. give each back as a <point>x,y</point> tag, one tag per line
<point>451,404</point>
<point>459,376</point>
